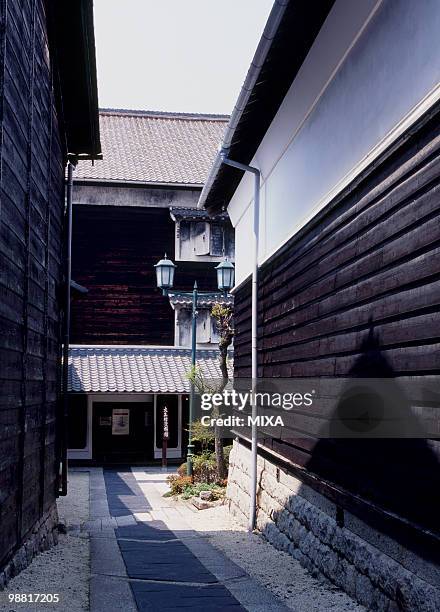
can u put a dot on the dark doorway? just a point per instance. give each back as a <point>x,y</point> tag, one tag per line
<point>123,432</point>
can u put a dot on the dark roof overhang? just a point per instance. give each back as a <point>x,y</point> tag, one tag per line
<point>299,25</point>
<point>195,214</point>
<point>72,45</point>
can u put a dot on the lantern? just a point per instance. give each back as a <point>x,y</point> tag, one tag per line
<point>165,273</point>
<point>225,275</point>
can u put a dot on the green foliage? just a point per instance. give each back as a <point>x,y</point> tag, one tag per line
<point>202,434</point>
<point>178,483</point>
<point>192,490</point>
<point>205,468</point>
<point>184,486</point>
<point>223,316</point>
<point>226,452</point>
<point>201,385</point>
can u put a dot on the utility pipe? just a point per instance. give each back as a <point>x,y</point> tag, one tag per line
<point>66,330</point>
<point>254,355</point>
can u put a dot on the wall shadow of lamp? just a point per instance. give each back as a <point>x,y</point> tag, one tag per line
<point>375,446</point>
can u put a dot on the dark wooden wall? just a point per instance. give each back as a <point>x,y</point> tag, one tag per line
<point>31,184</point>
<point>360,286</point>
<point>114,252</point>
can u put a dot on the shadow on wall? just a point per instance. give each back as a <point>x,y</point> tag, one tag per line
<point>369,522</point>
<point>398,474</point>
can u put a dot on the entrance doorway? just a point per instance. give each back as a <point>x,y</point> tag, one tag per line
<point>123,432</point>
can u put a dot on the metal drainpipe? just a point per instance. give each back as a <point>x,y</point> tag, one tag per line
<point>254,355</point>
<point>66,331</point>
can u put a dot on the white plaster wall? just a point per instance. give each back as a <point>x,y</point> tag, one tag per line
<point>372,71</point>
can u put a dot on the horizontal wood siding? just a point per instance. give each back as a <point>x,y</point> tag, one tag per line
<point>31,182</point>
<point>368,266</point>
<point>114,252</point>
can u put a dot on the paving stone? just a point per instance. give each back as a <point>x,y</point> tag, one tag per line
<point>105,557</point>
<point>215,598</point>
<point>157,561</point>
<point>159,555</point>
<point>146,532</point>
<point>125,520</point>
<point>142,517</point>
<point>109,522</point>
<point>110,594</point>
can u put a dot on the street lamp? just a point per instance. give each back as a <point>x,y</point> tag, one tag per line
<point>165,273</point>
<point>165,278</point>
<point>225,275</point>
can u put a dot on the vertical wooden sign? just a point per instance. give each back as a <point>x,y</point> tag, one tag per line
<point>165,435</point>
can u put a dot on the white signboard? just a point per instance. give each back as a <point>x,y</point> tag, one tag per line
<point>121,422</point>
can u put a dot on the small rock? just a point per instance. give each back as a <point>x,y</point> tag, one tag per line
<point>200,504</point>
<point>205,495</point>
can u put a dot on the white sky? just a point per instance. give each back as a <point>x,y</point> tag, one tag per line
<point>175,55</point>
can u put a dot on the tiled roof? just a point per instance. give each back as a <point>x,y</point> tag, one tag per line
<point>127,369</point>
<point>153,147</point>
<point>204,300</point>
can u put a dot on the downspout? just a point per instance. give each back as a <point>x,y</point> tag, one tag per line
<point>66,330</point>
<point>254,326</point>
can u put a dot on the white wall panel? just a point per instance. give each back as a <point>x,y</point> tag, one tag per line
<point>374,69</point>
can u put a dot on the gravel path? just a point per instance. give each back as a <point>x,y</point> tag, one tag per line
<point>65,568</point>
<point>276,570</point>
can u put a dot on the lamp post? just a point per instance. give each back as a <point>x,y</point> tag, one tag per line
<point>165,269</point>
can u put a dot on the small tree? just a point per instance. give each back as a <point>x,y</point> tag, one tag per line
<point>223,317</point>
<point>203,435</point>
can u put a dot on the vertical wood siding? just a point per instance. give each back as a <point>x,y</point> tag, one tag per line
<point>31,183</point>
<point>369,261</point>
<point>114,252</point>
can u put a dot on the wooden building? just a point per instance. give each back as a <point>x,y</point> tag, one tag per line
<point>131,208</point>
<point>48,109</point>
<point>342,119</point>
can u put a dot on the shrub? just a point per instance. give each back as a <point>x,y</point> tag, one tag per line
<point>226,452</point>
<point>178,483</point>
<point>205,468</point>
<point>192,490</point>
<point>181,470</point>
<point>203,435</point>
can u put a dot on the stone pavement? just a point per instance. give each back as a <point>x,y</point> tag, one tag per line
<point>145,556</point>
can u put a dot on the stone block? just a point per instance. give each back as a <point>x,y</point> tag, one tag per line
<point>200,504</point>
<point>364,590</point>
<point>350,577</point>
<point>34,544</point>
<point>300,521</point>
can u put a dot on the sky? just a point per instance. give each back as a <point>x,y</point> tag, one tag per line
<point>175,55</point>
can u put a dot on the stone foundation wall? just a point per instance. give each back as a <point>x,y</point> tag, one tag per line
<point>372,568</point>
<point>44,535</point>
